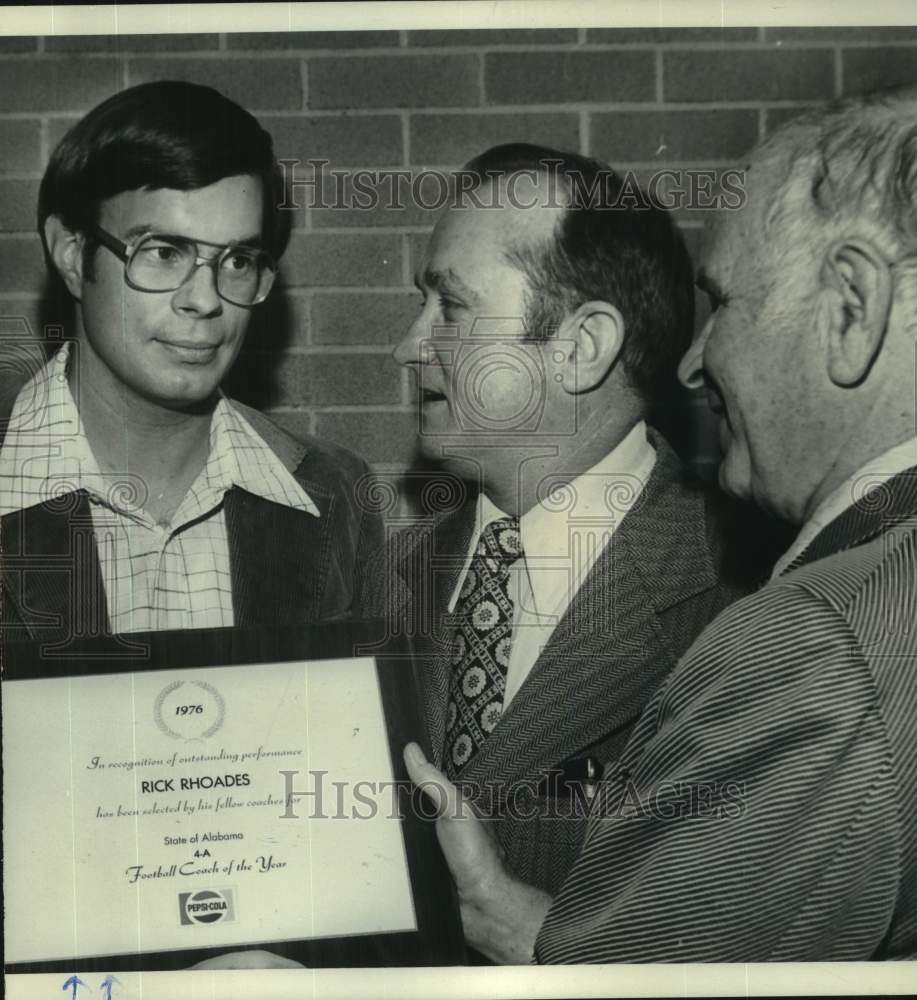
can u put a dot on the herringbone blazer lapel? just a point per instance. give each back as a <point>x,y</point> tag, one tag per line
<point>598,669</point>
<point>878,510</point>
<point>423,566</point>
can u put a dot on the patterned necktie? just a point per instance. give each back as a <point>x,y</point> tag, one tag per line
<point>481,645</point>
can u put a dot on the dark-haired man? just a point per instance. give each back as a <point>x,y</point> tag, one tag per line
<point>580,560</point>
<point>764,807</point>
<point>134,495</point>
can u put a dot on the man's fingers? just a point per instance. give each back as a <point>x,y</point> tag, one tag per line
<point>442,793</point>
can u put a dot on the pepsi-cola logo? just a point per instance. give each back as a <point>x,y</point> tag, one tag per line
<point>206,906</point>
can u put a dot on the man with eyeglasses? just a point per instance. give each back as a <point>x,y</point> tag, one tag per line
<point>159,215</point>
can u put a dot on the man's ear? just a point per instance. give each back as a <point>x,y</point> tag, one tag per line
<point>66,250</point>
<point>595,336</point>
<point>857,290</point>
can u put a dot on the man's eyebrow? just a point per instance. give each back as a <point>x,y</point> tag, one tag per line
<point>138,230</point>
<point>255,240</point>
<point>445,281</point>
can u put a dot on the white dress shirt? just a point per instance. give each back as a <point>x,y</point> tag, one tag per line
<point>156,576</point>
<point>874,473</point>
<point>562,537</point>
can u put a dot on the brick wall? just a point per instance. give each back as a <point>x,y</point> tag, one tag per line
<point>318,356</point>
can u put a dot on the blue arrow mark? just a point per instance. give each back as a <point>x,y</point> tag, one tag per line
<point>75,983</point>
<point>107,984</point>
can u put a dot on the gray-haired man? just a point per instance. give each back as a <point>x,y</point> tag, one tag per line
<point>764,807</point>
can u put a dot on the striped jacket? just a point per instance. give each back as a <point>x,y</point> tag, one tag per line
<point>765,808</point>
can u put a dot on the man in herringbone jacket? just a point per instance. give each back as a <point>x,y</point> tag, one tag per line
<point>765,807</point>
<point>624,558</point>
<point>675,562</point>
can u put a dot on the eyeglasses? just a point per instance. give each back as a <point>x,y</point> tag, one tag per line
<point>157,262</point>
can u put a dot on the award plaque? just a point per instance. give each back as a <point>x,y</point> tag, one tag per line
<point>221,789</point>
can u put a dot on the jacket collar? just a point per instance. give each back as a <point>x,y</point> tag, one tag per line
<point>51,571</point>
<point>876,511</point>
<point>279,558</point>
<point>657,523</point>
<point>657,557</point>
<point>287,448</point>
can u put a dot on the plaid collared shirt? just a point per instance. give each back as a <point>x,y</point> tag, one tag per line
<point>156,576</point>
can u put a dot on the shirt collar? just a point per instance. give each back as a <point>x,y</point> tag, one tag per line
<point>589,507</point>
<point>563,535</point>
<point>239,456</point>
<point>46,453</point>
<point>875,472</point>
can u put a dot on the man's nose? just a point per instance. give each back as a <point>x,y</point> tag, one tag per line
<point>413,349</point>
<point>691,367</point>
<point>198,294</point>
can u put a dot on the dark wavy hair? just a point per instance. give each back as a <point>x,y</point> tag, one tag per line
<point>609,248</point>
<point>166,134</point>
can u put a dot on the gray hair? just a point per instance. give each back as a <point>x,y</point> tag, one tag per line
<point>850,163</point>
